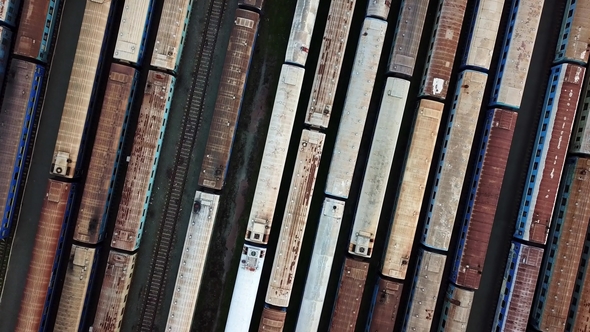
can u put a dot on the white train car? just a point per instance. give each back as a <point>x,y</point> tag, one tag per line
<point>171,32</point>
<point>245,288</point>
<point>483,34</point>
<point>133,30</point>
<point>329,65</point>
<point>453,160</point>
<point>275,154</point>
<point>411,189</point>
<point>356,106</point>
<point>192,262</point>
<point>378,9</point>
<point>301,31</point>
<point>320,265</point>
<point>295,218</point>
<point>374,184</point>
<point>456,309</point>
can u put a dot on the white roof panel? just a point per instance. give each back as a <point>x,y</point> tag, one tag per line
<point>301,31</point>
<point>484,32</point>
<point>378,8</point>
<point>131,30</point>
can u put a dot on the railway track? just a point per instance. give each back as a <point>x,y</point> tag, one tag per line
<point>159,266</point>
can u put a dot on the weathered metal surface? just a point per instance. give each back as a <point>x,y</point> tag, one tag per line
<point>113,294</point>
<point>82,79</point>
<point>229,100</point>
<point>252,3</point>
<point>9,11</point>
<point>411,189</point>
<point>407,37</point>
<point>366,219</point>
<point>91,221</point>
<point>170,36</point>
<point>329,65</point>
<point>574,40</point>
<point>425,290</point>
<point>301,31</point>
<point>581,132</point>
<point>143,161</point>
<point>356,106</point>
<point>133,28</point>
<point>275,154</point>
<point>519,40</point>
<point>44,254</point>
<point>443,47</point>
<point>518,288</point>
<point>5,45</point>
<point>579,314</point>
<point>553,135</point>
<point>560,270</point>
<point>76,287</point>
<point>245,289</point>
<point>379,8</point>
<point>294,221</point>
<point>272,320</point>
<point>453,160</point>
<point>35,29</point>
<point>484,31</point>
<point>320,265</point>
<point>350,293</point>
<point>483,199</point>
<point>456,309</point>
<point>386,302</point>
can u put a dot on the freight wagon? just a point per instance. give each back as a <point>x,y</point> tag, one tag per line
<point>385,305</point>
<point>348,298</point>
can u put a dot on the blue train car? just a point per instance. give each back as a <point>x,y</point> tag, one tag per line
<point>21,99</point>
<point>456,309</point>
<point>9,12</point>
<point>574,40</point>
<point>36,28</point>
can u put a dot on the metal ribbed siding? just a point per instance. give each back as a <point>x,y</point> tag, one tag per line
<point>113,294</point>
<point>320,265</point>
<point>9,11</point>
<point>483,34</point>
<point>378,168</point>
<point>229,100</point>
<point>559,272</point>
<point>407,36</point>
<point>350,293</point>
<point>356,106</point>
<point>170,36</point>
<point>21,97</point>
<point>581,132</point>
<point>329,65</point>
<point>386,300</point>
<point>453,160</point>
<point>456,309</point>
<point>411,190</point>
<point>143,161</point>
<point>275,154</point>
<point>483,198</point>
<point>579,314</point>
<point>378,8</point>
<point>425,287</point>
<point>34,35</point>
<point>133,30</point>
<point>295,218</point>
<point>251,3</point>
<point>245,289</point>
<point>105,157</point>
<point>45,253</point>
<point>76,287</point>
<point>77,103</point>
<point>272,320</point>
<point>192,263</point>
<point>443,46</point>
<point>301,31</point>
<point>553,135</point>
<point>574,39</point>
<point>517,51</point>
<point>518,288</point>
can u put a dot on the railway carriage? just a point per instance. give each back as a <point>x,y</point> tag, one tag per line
<point>36,28</point>
<point>385,305</point>
<point>301,32</point>
<point>9,11</point>
<point>483,33</point>
<point>580,143</point>
<point>348,298</point>
<point>456,309</point>
<point>171,33</point>
<point>255,4</point>
<point>574,40</point>
<point>133,30</point>
<point>378,8</point>
<point>5,44</point>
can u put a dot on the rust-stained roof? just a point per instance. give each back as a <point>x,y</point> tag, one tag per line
<point>144,157</point>
<point>443,47</point>
<point>31,39</point>
<point>483,201</point>
<point>295,218</point>
<point>113,294</point>
<point>411,189</point>
<point>229,100</point>
<point>456,309</point>
<point>252,3</point>
<point>103,161</point>
<point>350,294</point>
<point>329,64</point>
<point>566,247</point>
<point>272,320</point>
<point>575,34</point>
<point>44,251</point>
<point>581,298</point>
<point>386,302</point>
<point>406,42</point>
